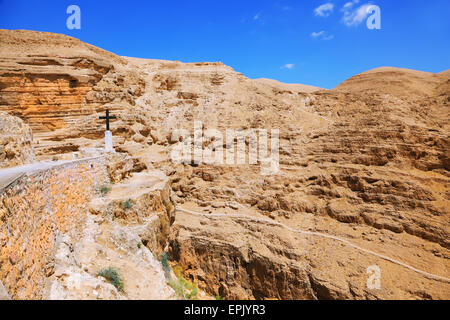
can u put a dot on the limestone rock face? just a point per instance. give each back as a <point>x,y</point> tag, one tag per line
<point>3,293</point>
<point>368,162</point>
<point>242,256</point>
<point>15,141</point>
<point>60,85</point>
<point>127,230</point>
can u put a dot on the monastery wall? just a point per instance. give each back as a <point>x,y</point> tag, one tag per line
<point>35,210</point>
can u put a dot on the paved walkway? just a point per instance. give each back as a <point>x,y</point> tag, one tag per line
<point>9,175</point>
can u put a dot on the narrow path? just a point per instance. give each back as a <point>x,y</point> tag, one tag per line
<point>322,235</point>
<point>9,175</point>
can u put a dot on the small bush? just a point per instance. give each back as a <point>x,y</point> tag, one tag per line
<point>127,204</point>
<point>193,294</point>
<point>105,190</point>
<point>113,277</point>
<point>186,284</point>
<point>165,263</point>
<point>178,271</point>
<point>218,297</point>
<point>177,287</point>
<point>139,245</point>
<point>182,287</point>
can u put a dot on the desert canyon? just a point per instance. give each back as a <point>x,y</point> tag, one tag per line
<point>364,181</point>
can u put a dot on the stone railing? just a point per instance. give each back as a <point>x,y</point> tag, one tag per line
<point>36,208</point>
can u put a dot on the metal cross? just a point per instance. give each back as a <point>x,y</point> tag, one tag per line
<point>107,118</point>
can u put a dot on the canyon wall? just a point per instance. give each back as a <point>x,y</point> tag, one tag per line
<point>367,161</point>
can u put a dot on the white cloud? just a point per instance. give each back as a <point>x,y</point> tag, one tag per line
<point>353,17</point>
<point>289,66</point>
<point>317,34</point>
<point>324,10</point>
<point>322,35</point>
<point>256,17</point>
<point>350,4</point>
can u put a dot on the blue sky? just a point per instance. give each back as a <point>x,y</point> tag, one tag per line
<point>313,42</point>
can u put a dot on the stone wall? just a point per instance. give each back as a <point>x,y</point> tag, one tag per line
<point>36,210</point>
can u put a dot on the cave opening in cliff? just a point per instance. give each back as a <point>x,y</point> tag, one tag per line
<point>73,83</point>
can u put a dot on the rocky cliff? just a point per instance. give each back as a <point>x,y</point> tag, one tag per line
<point>367,162</point>
<point>60,85</point>
<point>364,167</point>
<point>15,141</point>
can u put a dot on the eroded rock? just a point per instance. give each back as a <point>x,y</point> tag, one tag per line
<point>15,141</point>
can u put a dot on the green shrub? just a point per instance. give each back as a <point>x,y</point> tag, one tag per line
<point>113,277</point>
<point>127,204</point>
<point>193,294</point>
<point>177,287</point>
<point>178,271</point>
<point>165,264</point>
<point>186,284</point>
<point>105,190</point>
<point>182,287</point>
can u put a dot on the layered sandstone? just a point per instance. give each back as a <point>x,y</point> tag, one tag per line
<point>60,85</point>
